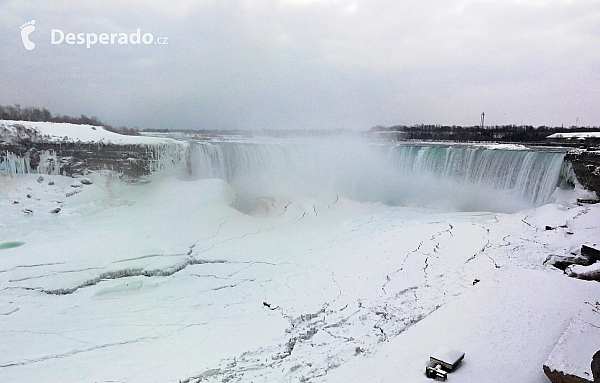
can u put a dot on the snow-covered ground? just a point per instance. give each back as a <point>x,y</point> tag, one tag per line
<point>575,135</point>
<point>193,280</point>
<point>60,132</point>
<point>168,282</point>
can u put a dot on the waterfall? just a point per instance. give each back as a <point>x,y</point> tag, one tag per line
<point>530,175</point>
<point>457,176</point>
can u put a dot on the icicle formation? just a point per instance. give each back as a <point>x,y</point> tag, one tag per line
<point>157,157</point>
<point>49,163</point>
<point>12,163</point>
<point>165,156</point>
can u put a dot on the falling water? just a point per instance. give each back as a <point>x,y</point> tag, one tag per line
<point>453,177</point>
<point>531,175</point>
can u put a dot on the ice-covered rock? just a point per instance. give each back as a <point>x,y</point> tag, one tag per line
<point>591,272</point>
<point>571,359</point>
<point>563,261</point>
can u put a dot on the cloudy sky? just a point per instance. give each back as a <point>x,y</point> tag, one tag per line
<point>308,63</point>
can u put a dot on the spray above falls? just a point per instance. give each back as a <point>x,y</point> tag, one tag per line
<point>449,177</point>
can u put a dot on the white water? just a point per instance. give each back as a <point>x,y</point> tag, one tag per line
<point>447,177</point>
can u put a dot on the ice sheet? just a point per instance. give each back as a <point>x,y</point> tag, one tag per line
<point>168,281</point>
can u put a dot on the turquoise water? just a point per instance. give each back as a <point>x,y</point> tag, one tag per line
<point>10,245</point>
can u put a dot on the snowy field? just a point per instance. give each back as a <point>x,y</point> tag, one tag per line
<point>176,280</point>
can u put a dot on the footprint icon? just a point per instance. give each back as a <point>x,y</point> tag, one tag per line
<point>26,29</point>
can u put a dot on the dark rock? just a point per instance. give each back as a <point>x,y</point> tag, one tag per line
<point>55,211</point>
<point>561,377</point>
<point>596,367</point>
<point>556,227</point>
<point>86,181</point>
<point>591,252</point>
<point>585,165</point>
<point>563,261</point>
<point>40,179</point>
<point>588,273</point>
<point>51,183</point>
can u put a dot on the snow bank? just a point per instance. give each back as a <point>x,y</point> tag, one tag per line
<point>572,355</point>
<point>576,135</point>
<point>60,132</point>
<point>499,146</point>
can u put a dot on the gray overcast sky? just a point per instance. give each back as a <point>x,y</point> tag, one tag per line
<point>309,63</point>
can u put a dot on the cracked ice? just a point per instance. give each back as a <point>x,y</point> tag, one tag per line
<point>145,284</point>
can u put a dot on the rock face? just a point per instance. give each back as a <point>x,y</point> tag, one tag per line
<point>586,165</point>
<point>131,162</point>
<point>576,354</point>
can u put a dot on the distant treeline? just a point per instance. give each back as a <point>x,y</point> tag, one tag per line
<point>30,113</point>
<point>508,133</point>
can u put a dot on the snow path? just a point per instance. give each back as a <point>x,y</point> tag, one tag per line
<point>168,281</point>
